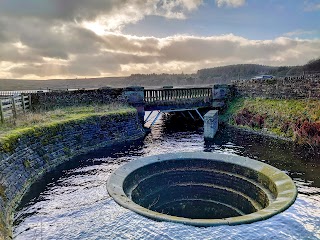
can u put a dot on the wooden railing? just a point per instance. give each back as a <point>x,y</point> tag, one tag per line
<point>176,94</point>
<point>11,107</point>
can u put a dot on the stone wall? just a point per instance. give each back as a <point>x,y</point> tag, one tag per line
<point>25,160</point>
<point>284,88</point>
<point>48,100</point>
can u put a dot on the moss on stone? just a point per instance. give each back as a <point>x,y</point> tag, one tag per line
<point>10,135</point>
<point>2,192</point>
<point>27,163</point>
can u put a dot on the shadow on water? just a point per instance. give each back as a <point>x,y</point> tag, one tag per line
<point>287,156</point>
<point>97,157</point>
<point>72,203</point>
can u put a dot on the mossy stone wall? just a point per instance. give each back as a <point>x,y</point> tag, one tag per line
<point>36,153</point>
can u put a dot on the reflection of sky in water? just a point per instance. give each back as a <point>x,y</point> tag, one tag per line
<point>76,205</point>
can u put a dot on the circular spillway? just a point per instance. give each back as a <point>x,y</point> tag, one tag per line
<point>202,189</point>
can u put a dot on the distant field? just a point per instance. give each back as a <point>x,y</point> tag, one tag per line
<point>16,85</point>
<point>12,84</point>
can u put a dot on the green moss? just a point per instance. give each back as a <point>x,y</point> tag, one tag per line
<point>44,142</point>
<point>46,158</point>
<point>27,163</point>
<point>2,192</point>
<point>233,107</point>
<point>10,135</point>
<point>67,151</point>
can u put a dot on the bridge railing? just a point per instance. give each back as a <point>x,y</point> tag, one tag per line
<point>176,94</point>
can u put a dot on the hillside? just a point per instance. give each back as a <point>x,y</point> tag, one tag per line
<point>245,71</point>
<point>207,76</point>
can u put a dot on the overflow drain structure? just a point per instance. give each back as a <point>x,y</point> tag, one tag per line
<point>202,189</point>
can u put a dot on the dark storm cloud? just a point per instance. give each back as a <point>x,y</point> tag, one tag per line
<point>65,10</point>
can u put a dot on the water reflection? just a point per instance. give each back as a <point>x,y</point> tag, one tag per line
<point>72,202</point>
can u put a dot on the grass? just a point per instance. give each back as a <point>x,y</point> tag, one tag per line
<point>34,122</point>
<point>283,117</point>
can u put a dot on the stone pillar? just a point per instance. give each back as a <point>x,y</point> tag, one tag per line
<point>135,97</point>
<point>210,124</point>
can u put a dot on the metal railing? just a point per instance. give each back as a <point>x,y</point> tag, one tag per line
<point>176,94</point>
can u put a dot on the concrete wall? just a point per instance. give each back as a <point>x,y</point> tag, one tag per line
<point>285,88</point>
<point>211,120</point>
<point>41,150</point>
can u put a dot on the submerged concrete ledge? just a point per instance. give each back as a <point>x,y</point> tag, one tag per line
<point>202,189</point>
<point>42,150</point>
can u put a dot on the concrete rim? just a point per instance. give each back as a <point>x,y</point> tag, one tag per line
<point>286,189</point>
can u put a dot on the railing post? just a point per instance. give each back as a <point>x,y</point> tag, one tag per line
<point>1,112</point>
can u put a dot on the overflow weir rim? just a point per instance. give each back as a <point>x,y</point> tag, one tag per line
<point>286,191</point>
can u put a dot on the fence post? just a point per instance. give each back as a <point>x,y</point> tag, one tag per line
<point>1,112</point>
<point>14,110</point>
<point>23,104</point>
<point>29,102</point>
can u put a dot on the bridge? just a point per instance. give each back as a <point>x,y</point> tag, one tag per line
<point>186,100</point>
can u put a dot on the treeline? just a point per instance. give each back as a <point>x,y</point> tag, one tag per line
<point>247,71</point>
<point>233,72</point>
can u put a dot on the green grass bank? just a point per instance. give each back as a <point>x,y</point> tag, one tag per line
<point>298,120</point>
<point>38,142</point>
<point>35,122</point>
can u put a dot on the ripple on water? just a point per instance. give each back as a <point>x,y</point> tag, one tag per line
<point>74,203</point>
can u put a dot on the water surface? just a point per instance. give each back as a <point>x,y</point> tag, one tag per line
<point>73,203</point>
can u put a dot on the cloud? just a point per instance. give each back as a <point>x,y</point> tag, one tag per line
<point>311,5</point>
<point>78,38</point>
<point>78,52</point>
<point>230,3</point>
<point>299,32</point>
<point>111,15</point>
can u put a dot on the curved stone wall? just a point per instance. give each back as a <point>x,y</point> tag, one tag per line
<point>41,150</point>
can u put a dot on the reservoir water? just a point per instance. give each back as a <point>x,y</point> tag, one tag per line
<point>73,203</point>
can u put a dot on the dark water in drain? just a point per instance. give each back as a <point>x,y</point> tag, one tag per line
<point>199,209</point>
<point>74,204</point>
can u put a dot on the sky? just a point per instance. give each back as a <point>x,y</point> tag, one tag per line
<point>50,39</point>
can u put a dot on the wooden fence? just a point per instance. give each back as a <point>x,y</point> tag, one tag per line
<point>11,107</point>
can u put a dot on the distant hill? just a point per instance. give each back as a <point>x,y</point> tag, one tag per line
<point>247,71</point>
<point>232,72</point>
<point>312,66</point>
<point>208,76</point>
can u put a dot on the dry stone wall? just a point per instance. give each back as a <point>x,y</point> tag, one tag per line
<point>25,161</point>
<point>284,88</point>
<point>48,100</point>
